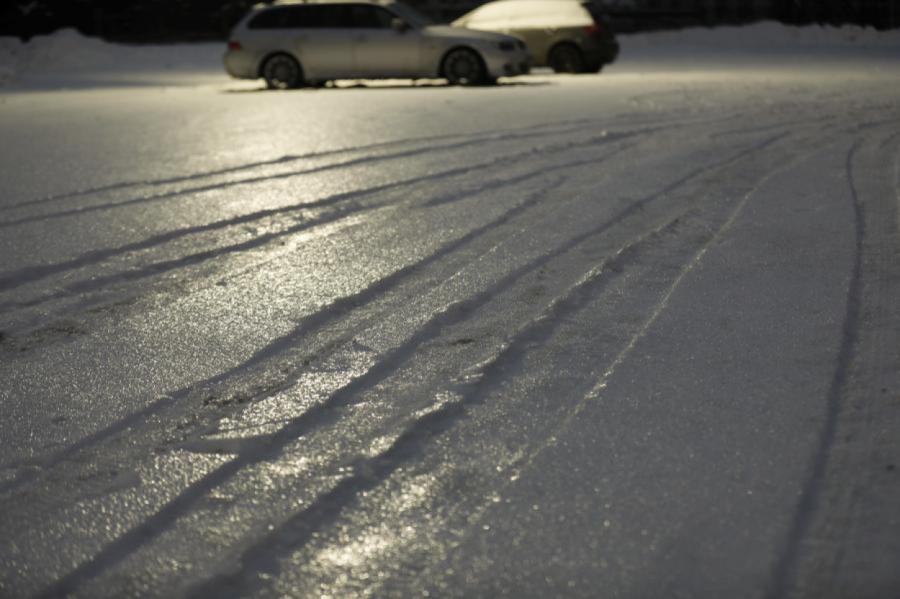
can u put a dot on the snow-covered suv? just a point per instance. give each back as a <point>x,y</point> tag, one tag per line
<point>571,36</point>
<point>291,43</point>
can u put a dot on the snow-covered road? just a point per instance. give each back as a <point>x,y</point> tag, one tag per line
<point>628,335</point>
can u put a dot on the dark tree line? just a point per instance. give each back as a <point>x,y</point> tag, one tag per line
<point>125,20</point>
<point>642,15</point>
<point>163,21</point>
<point>884,14</point>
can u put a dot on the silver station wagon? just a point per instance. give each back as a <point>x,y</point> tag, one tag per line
<point>290,44</point>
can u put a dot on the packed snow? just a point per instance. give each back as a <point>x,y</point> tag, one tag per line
<point>626,335</point>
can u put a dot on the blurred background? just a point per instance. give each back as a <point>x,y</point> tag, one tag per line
<point>162,21</point>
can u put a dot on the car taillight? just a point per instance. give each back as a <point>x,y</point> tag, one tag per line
<point>234,45</point>
<point>592,30</point>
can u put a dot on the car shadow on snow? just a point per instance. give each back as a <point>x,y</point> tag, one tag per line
<point>377,85</point>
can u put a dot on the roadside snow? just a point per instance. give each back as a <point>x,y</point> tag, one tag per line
<point>771,44</point>
<point>761,36</point>
<point>69,58</point>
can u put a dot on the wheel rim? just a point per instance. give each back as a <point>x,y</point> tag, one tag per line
<point>462,67</point>
<point>281,72</point>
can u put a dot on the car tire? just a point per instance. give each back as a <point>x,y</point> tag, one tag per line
<point>566,58</point>
<point>282,71</point>
<point>463,66</point>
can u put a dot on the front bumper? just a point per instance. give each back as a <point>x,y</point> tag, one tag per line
<point>507,64</point>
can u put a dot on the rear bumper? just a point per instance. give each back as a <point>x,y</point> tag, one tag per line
<point>599,53</point>
<point>240,64</point>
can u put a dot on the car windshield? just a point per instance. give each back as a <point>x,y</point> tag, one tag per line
<point>410,15</point>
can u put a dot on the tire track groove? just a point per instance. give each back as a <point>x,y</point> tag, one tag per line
<point>786,565</point>
<point>326,412</point>
<point>263,555</point>
<point>503,135</point>
<point>327,315</point>
<point>35,273</point>
<point>259,562</point>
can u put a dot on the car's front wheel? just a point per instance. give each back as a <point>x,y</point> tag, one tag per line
<point>282,72</point>
<point>463,66</point>
<point>567,58</point>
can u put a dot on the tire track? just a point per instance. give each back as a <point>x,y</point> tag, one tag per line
<point>43,336</point>
<point>501,135</point>
<point>489,136</point>
<point>29,274</point>
<point>326,412</point>
<point>35,273</point>
<point>262,556</point>
<point>827,119</point>
<point>470,516</point>
<point>324,318</point>
<point>430,149</point>
<point>259,562</point>
<point>329,312</point>
<point>312,324</point>
<point>26,339</point>
<point>268,447</point>
<point>786,565</point>
<point>848,466</point>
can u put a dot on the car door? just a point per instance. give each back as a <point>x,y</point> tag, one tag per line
<point>322,38</point>
<point>379,49</point>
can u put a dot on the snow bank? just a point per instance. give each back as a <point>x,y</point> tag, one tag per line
<point>769,34</point>
<point>762,43</point>
<point>69,57</point>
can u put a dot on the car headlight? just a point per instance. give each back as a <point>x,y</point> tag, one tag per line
<point>506,46</point>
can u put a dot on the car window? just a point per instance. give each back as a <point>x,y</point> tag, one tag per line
<point>329,16</point>
<point>296,17</point>
<point>318,16</point>
<point>288,17</point>
<point>411,15</point>
<point>366,16</point>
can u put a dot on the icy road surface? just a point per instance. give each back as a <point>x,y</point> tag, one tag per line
<point>630,335</point>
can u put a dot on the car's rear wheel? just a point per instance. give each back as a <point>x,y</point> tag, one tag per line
<point>566,58</point>
<point>282,72</point>
<point>463,66</point>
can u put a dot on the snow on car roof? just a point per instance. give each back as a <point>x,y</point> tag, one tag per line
<point>529,13</point>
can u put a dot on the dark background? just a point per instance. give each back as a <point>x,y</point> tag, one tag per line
<point>160,21</point>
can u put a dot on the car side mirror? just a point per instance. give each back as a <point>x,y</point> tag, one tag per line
<point>399,25</point>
